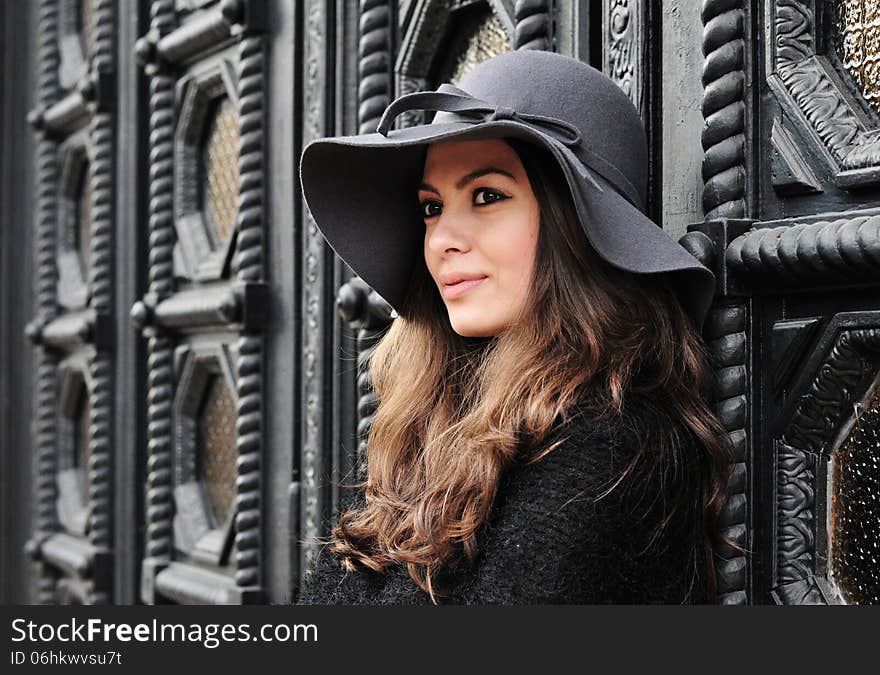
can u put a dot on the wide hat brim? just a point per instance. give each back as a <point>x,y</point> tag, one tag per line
<point>362,192</point>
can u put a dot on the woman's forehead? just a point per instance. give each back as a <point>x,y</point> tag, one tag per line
<point>466,156</point>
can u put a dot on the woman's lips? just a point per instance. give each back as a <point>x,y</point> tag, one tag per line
<point>451,291</point>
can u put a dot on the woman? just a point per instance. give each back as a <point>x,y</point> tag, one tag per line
<point>542,434</point>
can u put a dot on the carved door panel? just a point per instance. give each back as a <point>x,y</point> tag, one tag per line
<point>160,374</point>
<point>250,385</point>
<point>75,125</point>
<point>186,452</point>
<point>793,215</point>
<point>204,309</point>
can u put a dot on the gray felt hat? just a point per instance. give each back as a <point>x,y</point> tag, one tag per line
<point>362,190</point>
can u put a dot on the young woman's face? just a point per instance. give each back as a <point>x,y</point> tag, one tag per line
<point>481,231</point>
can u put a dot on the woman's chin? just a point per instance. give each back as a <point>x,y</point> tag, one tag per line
<point>475,327</point>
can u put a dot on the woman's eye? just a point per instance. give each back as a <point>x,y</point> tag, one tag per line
<point>482,197</point>
<point>490,196</point>
<point>430,208</point>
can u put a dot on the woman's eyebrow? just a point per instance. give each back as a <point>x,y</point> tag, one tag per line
<point>473,175</point>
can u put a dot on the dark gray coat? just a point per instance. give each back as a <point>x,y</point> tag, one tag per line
<point>548,542</point>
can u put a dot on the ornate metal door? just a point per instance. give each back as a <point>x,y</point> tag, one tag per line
<point>790,199</point>
<point>72,331</point>
<point>204,310</point>
<point>198,390</point>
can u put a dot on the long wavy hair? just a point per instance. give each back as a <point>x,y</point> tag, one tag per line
<point>454,412</point>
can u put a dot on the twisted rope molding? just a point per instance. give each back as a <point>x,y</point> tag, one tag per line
<point>101,283</point>
<point>725,333</point>
<point>101,132</point>
<point>374,63</point>
<point>249,363</point>
<point>374,92</point>
<point>844,249</point>
<point>368,401</point>
<point>370,315</point>
<point>723,137</point>
<point>159,499</point>
<point>533,25</point>
<point>46,375</point>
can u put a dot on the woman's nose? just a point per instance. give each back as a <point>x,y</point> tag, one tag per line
<point>449,233</point>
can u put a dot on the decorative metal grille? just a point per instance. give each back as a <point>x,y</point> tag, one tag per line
<point>217,447</point>
<point>86,23</point>
<point>483,36</point>
<point>856,38</point>
<point>855,510</point>
<point>220,162</point>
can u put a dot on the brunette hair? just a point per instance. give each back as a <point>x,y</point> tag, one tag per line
<point>454,412</point>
